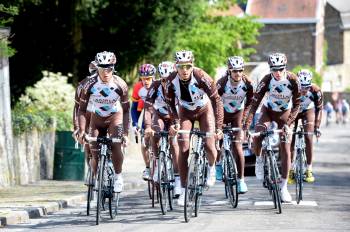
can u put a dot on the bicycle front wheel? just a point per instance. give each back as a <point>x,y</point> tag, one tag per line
<point>191,187</point>
<point>275,185</point>
<point>299,177</point>
<point>90,192</point>
<point>163,182</point>
<point>100,195</point>
<point>230,172</point>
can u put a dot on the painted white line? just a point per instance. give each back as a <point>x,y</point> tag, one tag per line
<point>263,203</point>
<point>305,203</point>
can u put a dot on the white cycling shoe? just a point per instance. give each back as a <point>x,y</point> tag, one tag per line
<point>285,195</point>
<point>118,184</point>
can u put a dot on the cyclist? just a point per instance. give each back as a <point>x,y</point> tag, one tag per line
<point>310,113</point>
<point>147,74</point>
<point>345,109</point>
<point>281,105</point>
<point>235,88</point>
<point>92,71</point>
<point>198,99</point>
<point>108,94</point>
<point>156,105</point>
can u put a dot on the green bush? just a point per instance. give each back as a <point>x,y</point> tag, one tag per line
<point>48,104</point>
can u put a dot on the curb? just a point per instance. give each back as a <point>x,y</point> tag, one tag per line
<point>19,215</point>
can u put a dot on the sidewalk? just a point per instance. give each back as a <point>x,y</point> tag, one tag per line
<point>18,204</point>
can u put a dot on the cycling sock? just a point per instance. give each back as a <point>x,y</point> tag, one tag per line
<point>309,167</point>
<point>118,175</point>
<point>283,183</point>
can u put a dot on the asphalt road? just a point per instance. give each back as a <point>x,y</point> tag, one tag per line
<point>326,205</point>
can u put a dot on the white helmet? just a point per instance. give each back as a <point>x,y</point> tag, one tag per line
<point>305,77</point>
<point>105,59</point>
<point>235,62</point>
<point>277,61</point>
<point>165,68</point>
<point>184,56</point>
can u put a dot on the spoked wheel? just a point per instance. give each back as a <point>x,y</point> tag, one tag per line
<point>171,178</point>
<point>100,194</point>
<point>90,192</point>
<point>275,185</point>
<point>163,183</point>
<point>231,187</point>
<point>113,204</point>
<point>299,181</point>
<point>191,187</point>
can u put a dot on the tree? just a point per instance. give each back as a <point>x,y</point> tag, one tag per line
<point>7,13</point>
<point>213,39</point>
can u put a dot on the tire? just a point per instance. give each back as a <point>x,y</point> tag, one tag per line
<point>170,168</point>
<point>231,186</point>
<point>299,177</point>
<point>202,176</point>
<point>90,192</point>
<point>149,184</point>
<point>275,185</point>
<point>100,197</point>
<point>191,187</point>
<point>163,183</point>
<point>113,205</point>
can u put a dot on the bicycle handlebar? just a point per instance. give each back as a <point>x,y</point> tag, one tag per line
<point>103,139</point>
<point>196,132</point>
<point>266,132</point>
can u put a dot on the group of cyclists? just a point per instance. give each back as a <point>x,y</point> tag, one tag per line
<point>184,94</point>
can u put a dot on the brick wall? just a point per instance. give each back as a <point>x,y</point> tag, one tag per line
<point>296,40</point>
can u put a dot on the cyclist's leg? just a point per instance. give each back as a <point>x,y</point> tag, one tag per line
<point>157,125</point>
<point>96,129</point>
<point>308,123</point>
<point>86,146</point>
<point>261,125</point>
<point>184,144</point>
<point>115,130</point>
<point>206,121</point>
<point>236,121</point>
<point>293,136</point>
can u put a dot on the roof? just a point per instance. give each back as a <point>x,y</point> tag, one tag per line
<point>344,8</point>
<point>286,11</point>
<point>234,10</point>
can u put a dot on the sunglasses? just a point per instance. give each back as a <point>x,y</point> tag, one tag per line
<point>184,66</point>
<point>235,71</point>
<point>147,78</point>
<point>277,69</point>
<point>108,69</point>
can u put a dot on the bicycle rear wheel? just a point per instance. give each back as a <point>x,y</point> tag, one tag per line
<point>113,205</point>
<point>90,192</point>
<point>275,185</point>
<point>299,177</point>
<point>100,194</point>
<point>163,183</point>
<point>191,187</point>
<point>230,172</point>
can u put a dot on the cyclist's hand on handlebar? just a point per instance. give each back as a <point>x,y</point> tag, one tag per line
<point>219,134</point>
<point>317,132</point>
<point>125,141</point>
<point>286,130</point>
<point>173,129</point>
<point>81,137</point>
<point>149,132</point>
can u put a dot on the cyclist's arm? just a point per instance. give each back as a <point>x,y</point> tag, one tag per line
<point>135,100</point>
<point>124,100</point>
<point>256,99</point>
<point>210,89</point>
<point>318,101</point>
<point>150,99</point>
<point>83,102</point>
<point>296,96</point>
<point>249,97</point>
<point>75,109</point>
<point>170,100</point>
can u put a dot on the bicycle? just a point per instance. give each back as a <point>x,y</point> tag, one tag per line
<point>197,173</point>
<point>299,164</point>
<point>272,175</point>
<point>105,177</point>
<point>166,176</point>
<point>230,173</point>
<point>151,187</point>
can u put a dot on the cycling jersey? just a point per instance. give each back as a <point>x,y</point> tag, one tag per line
<point>138,94</point>
<point>281,96</point>
<point>313,99</point>
<point>233,96</point>
<point>106,98</point>
<point>202,90</point>
<point>155,100</point>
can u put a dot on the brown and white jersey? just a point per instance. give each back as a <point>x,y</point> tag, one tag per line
<point>235,98</point>
<point>201,89</point>
<point>280,95</point>
<point>105,97</point>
